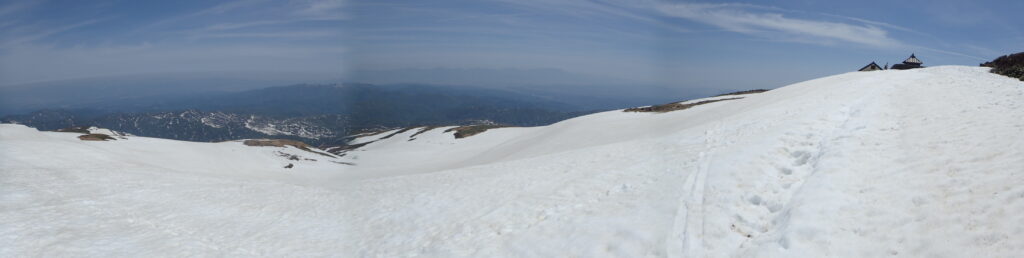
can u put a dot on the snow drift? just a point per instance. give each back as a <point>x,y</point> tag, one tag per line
<point>924,162</point>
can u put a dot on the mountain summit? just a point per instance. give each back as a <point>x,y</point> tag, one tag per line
<point>921,163</point>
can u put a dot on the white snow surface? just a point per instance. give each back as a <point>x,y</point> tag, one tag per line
<point>917,163</point>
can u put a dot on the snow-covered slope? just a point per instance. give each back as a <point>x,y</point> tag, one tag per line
<point>924,162</point>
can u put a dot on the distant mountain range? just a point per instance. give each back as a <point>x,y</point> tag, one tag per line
<point>317,114</point>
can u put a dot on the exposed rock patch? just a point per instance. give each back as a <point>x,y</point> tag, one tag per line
<point>96,137</point>
<point>282,143</point>
<point>425,129</point>
<point>675,106</point>
<point>745,92</point>
<point>470,130</point>
<point>276,143</point>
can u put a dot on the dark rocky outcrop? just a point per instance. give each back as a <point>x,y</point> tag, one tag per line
<point>1009,65</point>
<point>745,92</point>
<point>96,137</point>
<point>276,143</point>
<point>283,143</point>
<point>470,130</point>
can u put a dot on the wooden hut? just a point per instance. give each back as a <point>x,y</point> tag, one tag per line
<point>911,63</point>
<point>871,67</point>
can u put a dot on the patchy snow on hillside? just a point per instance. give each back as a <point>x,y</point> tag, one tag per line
<point>291,126</point>
<point>917,163</point>
<point>218,119</point>
<point>97,130</point>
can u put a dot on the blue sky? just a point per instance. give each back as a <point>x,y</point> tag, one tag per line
<point>52,40</point>
<point>734,44</point>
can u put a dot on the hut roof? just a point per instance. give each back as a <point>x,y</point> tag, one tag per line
<point>912,60</point>
<point>870,67</point>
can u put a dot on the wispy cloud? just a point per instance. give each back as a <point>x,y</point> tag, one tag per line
<point>279,35</point>
<point>15,30</point>
<point>268,24</point>
<point>16,7</point>
<point>36,35</point>
<point>955,53</point>
<point>282,13</point>
<point>227,7</point>
<point>638,11</point>
<point>870,22</point>
<point>42,42</point>
<point>242,25</point>
<point>329,8</point>
<point>212,10</point>
<point>763,22</point>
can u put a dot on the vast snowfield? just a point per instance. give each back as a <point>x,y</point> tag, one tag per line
<point>916,163</point>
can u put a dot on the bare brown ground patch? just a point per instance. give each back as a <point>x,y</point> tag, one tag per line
<point>96,137</point>
<point>470,130</point>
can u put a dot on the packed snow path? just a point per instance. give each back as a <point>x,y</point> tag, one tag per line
<point>924,162</point>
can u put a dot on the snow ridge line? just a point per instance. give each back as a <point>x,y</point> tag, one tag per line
<point>687,236</point>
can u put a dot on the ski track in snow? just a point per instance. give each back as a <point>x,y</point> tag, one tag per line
<point>917,163</point>
<point>688,230</point>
